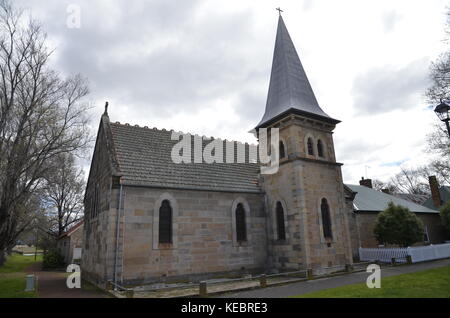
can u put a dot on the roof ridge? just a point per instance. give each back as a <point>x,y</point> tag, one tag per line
<point>117,123</point>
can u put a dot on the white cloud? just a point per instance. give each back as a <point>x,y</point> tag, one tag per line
<point>204,66</point>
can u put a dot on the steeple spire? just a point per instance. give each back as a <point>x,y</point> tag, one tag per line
<point>289,88</point>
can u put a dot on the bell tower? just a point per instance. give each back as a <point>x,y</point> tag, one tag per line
<point>307,220</point>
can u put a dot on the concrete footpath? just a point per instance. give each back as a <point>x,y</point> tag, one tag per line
<point>332,282</point>
<point>52,284</point>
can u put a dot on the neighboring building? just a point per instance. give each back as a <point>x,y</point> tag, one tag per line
<point>439,195</point>
<point>70,243</point>
<point>149,219</point>
<point>369,202</point>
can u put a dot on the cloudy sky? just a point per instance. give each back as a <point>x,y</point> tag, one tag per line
<point>203,66</point>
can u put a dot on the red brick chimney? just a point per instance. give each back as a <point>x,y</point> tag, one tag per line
<point>435,194</point>
<point>366,182</point>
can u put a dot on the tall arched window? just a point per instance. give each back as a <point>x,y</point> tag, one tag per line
<point>320,148</point>
<point>310,147</point>
<point>280,222</point>
<point>282,150</point>
<point>326,219</point>
<point>165,223</point>
<point>241,228</point>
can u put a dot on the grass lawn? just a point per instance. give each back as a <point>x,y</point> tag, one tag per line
<point>425,284</point>
<point>12,276</point>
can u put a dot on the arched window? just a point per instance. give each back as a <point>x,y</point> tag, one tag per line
<point>310,147</point>
<point>282,150</point>
<point>280,222</point>
<point>241,228</point>
<point>320,148</point>
<point>165,223</point>
<point>326,219</point>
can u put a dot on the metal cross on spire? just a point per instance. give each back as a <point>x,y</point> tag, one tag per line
<point>279,10</point>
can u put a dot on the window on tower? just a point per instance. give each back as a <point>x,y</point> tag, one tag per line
<point>282,150</point>
<point>310,147</point>
<point>281,230</point>
<point>326,219</point>
<point>320,148</point>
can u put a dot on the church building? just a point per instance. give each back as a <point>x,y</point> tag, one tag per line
<point>149,219</point>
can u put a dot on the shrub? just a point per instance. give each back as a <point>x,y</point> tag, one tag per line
<point>397,225</point>
<point>53,259</point>
<point>445,216</point>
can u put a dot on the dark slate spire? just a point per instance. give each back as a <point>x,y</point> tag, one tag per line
<point>289,89</point>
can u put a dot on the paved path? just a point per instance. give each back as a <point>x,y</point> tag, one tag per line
<point>332,282</point>
<point>53,285</point>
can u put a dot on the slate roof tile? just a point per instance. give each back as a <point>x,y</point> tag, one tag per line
<point>144,157</point>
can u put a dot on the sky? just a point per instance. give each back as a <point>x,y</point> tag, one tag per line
<point>203,67</point>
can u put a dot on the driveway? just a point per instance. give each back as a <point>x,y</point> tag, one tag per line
<point>332,282</point>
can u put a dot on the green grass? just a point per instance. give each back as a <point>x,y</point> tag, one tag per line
<point>426,284</point>
<point>18,263</point>
<point>13,286</point>
<point>12,276</point>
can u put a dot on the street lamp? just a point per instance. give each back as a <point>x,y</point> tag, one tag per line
<point>443,112</point>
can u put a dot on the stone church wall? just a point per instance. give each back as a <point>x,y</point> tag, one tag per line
<point>203,240</point>
<point>99,231</point>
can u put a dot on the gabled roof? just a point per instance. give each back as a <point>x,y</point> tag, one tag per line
<point>72,230</point>
<point>289,88</point>
<point>370,200</point>
<point>445,197</point>
<point>144,159</point>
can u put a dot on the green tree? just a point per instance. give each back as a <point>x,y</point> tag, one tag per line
<point>445,216</point>
<point>397,225</point>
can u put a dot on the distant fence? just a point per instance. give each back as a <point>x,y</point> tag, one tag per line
<point>418,254</point>
<point>383,254</point>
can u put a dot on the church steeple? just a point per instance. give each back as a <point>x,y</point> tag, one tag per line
<point>289,89</point>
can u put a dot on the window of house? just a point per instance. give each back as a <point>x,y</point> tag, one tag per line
<point>282,150</point>
<point>426,238</point>
<point>320,148</point>
<point>310,147</point>
<point>326,219</point>
<point>165,223</point>
<point>280,222</point>
<point>241,229</point>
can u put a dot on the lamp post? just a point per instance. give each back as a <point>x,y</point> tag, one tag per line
<point>443,112</point>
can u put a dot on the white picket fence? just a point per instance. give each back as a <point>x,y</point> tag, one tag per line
<point>418,254</point>
<point>426,253</point>
<point>383,254</point>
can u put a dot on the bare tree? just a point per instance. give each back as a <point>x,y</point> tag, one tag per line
<point>412,181</point>
<point>380,186</point>
<point>440,73</point>
<point>63,193</point>
<point>440,79</point>
<point>41,115</point>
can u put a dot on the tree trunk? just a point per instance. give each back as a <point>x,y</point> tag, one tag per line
<point>2,257</point>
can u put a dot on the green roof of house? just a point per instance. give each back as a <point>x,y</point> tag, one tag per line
<point>445,197</point>
<point>370,200</point>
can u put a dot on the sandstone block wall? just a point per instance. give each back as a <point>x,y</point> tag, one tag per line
<point>202,233</point>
